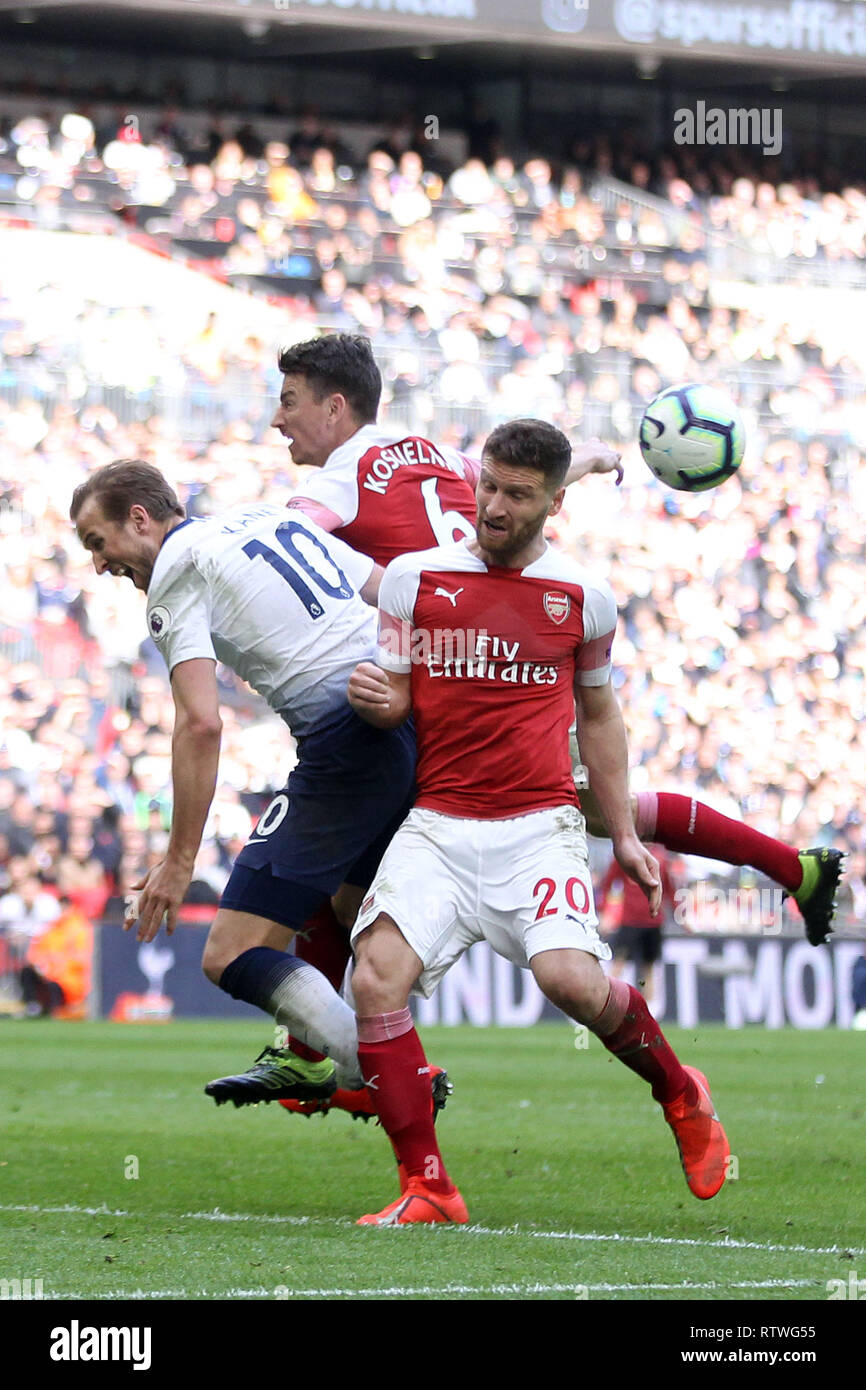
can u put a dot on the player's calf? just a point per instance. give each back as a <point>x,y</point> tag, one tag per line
<point>628,1030</point>
<point>232,933</point>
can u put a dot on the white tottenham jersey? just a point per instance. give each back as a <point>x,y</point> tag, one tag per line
<point>274,597</point>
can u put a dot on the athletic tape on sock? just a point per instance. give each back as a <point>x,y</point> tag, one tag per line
<point>614,1010</point>
<point>378,1028</point>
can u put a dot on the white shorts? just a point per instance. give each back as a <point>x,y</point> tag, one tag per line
<point>523,885</point>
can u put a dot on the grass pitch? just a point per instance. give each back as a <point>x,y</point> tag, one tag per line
<point>119,1178</point>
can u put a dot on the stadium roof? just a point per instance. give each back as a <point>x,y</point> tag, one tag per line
<point>821,37</point>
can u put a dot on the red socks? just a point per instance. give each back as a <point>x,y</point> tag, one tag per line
<point>327,948</point>
<point>687,826</point>
<point>397,1074</point>
<point>628,1030</point>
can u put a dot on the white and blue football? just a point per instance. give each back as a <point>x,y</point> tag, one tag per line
<point>692,437</point>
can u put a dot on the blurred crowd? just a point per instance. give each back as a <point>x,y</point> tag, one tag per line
<point>490,290</point>
<point>741,656</point>
<point>257,189</point>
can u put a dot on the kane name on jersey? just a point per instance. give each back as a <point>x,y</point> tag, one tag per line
<point>491,650</point>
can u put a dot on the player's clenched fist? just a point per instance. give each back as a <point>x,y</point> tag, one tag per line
<point>369,686</point>
<point>381,697</point>
<point>369,691</point>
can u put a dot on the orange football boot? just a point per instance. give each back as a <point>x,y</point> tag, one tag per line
<point>419,1205</point>
<point>359,1104</point>
<point>703,1145</point>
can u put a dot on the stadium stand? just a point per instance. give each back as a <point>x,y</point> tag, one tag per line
<point>488,292</point>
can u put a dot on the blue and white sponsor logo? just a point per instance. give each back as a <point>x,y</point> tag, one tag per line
<point>565,16</point>
<point>637,20</point>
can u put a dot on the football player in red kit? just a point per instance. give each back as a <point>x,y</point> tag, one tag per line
<point>387,493</point>
<point>489,643</point>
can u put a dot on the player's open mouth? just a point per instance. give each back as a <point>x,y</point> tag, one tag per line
<point>497,528</point>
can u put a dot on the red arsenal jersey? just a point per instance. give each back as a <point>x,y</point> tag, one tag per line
<point>386,494</point>
<point>494,655</point>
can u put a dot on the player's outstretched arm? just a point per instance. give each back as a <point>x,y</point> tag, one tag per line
<point>195,748</point>
<point>593,456</point>
<point>604,750</point>
<point>383,698</point>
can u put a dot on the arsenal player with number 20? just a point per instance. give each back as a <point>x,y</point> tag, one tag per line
<point>489,642</point>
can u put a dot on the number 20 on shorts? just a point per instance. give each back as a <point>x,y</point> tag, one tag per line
<point>547,893</point>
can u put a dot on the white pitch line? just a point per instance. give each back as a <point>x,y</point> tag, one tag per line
<point>588,1237</point>
<point>728,1243</point>
<point>245,1216</point>
<point>65,1210</point>
<point>401,1291</point>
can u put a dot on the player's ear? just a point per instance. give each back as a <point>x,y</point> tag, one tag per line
<point>556,501</point>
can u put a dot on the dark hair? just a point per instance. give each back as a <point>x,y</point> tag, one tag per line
<point>124,484</point>
<point>531,444</point>
<point>338,362</point>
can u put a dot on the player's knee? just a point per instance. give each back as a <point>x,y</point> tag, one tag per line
<point>579,990</point>
<point>369,988</point>
<point>385,970</point>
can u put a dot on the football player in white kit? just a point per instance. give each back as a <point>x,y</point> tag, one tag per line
<point>283,604</point>
<point>489,643</point>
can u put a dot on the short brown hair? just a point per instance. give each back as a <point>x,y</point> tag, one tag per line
<point>530,444</point>
<point>124,484</point>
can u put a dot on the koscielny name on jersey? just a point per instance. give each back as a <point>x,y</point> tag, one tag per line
<point>470,654</point>
<point>410,451</point>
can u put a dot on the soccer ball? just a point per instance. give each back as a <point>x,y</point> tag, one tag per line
<point>692,437</point>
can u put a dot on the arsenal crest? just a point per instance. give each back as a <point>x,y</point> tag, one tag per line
<point>557,606</point>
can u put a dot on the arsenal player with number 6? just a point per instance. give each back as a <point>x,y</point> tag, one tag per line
<point>489,642</point>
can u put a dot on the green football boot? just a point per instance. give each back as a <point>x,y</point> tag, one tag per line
<point>816,896</point>
<point>276,1074</point>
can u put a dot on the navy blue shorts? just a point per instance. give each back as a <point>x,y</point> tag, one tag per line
<point>352,787</point>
